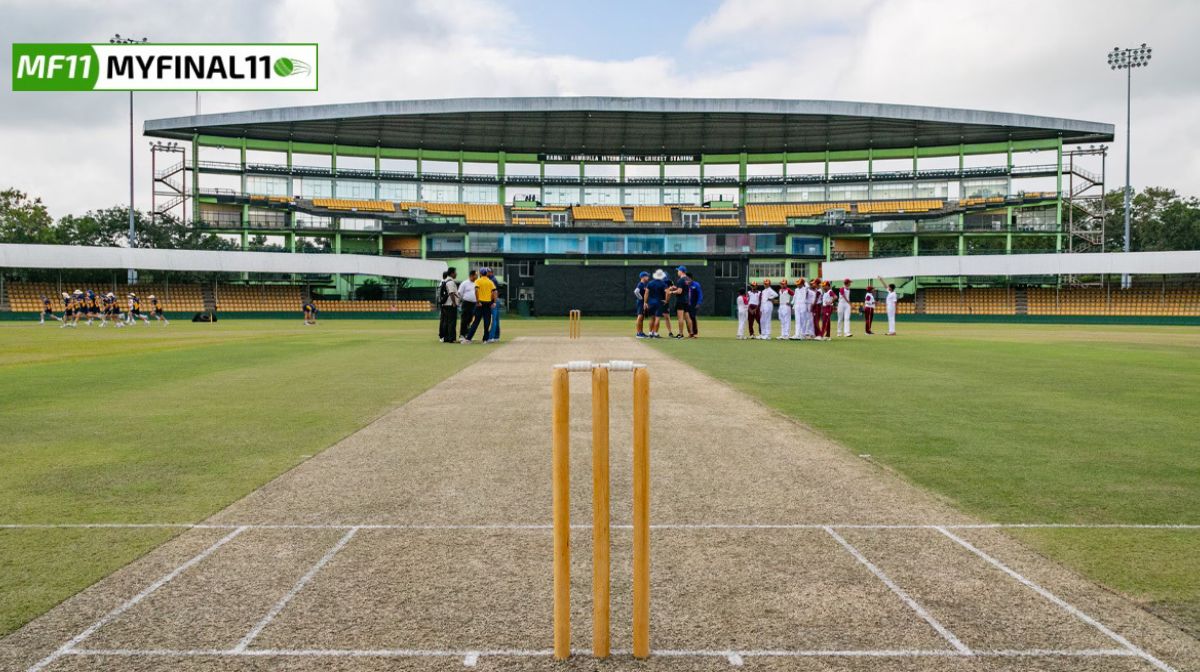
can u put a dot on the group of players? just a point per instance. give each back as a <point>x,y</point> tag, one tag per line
<point>90,306</point>
<point>806,310</point>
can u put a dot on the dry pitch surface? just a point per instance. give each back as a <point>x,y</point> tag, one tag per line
<point>423,542</point>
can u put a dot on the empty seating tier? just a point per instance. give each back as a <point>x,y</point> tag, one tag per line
<point>652,214</point>
<point>778,214</point>
<point>255,298</point>
<point>373,306</point>
<point>472,213</point>
<point>604,213</point>
<point>354,205</point>
<point>888,207</point>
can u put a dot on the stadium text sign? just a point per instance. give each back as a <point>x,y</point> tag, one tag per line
<point>164,67</point>
<point>621,158</point>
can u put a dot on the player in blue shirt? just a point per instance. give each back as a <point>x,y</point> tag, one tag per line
<point>695,297</point>
<point>655,300</point>
<point>639,297</point>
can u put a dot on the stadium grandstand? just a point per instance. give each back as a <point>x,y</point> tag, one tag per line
<point>745,189</point>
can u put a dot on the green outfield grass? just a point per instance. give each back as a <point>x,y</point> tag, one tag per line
<point>1013,423</point>
<point>152,424</point>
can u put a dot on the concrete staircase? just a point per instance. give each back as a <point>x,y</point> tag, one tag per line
<point>1021,301</point>
<point>210,297</point>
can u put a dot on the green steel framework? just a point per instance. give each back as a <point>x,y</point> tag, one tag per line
<point>742,160</point>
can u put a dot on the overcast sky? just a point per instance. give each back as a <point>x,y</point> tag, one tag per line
<point>1036,57</point>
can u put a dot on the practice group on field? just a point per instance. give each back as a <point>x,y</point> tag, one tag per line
<point>806,308</point>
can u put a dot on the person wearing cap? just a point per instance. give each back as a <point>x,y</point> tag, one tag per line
<point>485,295</point>
<point>799,309</point>
<point>157,309</point>
<point>639,300</point>
<point>695,297</point>
<point>493,334</point>
<point>843,309</point>
<point>655,301</point>
<point>754,300</point>
<point>892,299</point>
<point>766,310</point>
<point>827,300</point>
<point>47,310</point>
<point>868,309</point>
<point>785,310</point>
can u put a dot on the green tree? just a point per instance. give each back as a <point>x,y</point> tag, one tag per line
<point>23,220</point>
<point>1160,219</point>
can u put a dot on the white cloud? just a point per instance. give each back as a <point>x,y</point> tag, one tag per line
<point>1022,56</point>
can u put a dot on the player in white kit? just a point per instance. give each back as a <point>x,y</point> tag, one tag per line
<point>766,309</point>
<point>843,310</point>
<point>892,298</point>
<point>743,312</point>
<point>800,308</point>
<point>785,310</point>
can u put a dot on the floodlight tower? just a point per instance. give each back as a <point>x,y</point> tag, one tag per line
<point>1127,60</point>
<point>131,278</point>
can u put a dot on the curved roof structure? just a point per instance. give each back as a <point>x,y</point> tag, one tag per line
<point>608,125</point>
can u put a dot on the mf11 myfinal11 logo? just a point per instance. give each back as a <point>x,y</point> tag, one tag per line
<point>164,67</point>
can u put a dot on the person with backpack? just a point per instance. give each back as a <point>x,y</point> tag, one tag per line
<point>447,300</point>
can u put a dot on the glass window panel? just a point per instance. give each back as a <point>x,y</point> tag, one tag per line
<point>268,186</point>
<point>398,191</point>
<point>604,244</point>
<point>439,193</point>
<point>355,189</point>
<point>645,244</point>
<point>315,188</point>
<point>643,197</point>
<point>602,196</point>
<point>565,244</point>
<point>480,193</point>
<point>522,243</point>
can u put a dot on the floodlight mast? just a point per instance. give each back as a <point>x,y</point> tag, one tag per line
<point>131,278</point>
<point>1127,60</point>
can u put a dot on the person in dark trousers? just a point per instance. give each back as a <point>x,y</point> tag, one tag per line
<point>447,298</point>
<point>466,297</point>
<point>485,296</point>
<point>695,298</point>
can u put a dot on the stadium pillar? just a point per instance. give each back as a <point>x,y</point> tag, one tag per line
<point>501,164</point>
<point>132,274</point>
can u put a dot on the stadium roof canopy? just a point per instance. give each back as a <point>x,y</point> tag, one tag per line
<point>227,261</point>
<point>604,125</point>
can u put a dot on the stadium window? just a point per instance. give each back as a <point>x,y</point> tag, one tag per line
<point>766,269</point>
<point>398,191</point>
<point>453,243</point>
<point>315,188</point>
<point>439,193</point>
<point>524,268</point>
<point>727,270</point>
<point>305,220</point>
<point>809,247</point>
<point>266,186</point>
<point>355,189</point>
<point>480,193</point>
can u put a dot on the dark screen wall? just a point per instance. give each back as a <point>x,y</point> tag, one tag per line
<point>601,290</point>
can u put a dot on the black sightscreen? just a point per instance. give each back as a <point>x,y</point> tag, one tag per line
<point>602,290</point>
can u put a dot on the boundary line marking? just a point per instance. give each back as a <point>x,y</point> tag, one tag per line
<point>904,597</point>
<point>283,601</point>
<point>1134,650</point>
<point>131,602</point>
<point>658,526</point>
